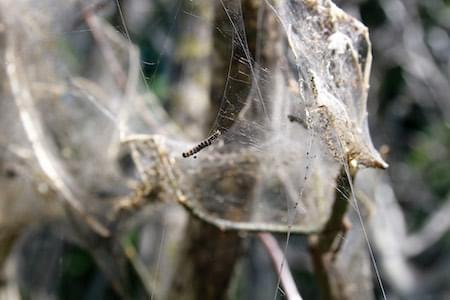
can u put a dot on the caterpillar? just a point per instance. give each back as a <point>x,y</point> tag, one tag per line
<point>203,144</point>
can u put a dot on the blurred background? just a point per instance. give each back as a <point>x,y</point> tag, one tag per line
<point>45,256</point>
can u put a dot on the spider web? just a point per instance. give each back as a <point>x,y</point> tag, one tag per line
<point>287,125</point>
<point>290,116</point>
<point>256,177</point>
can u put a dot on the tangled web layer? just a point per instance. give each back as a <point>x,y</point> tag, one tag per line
<point>302,118</point>
<point>285,131</point>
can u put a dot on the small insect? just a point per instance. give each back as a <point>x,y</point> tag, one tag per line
<point>203,144</point>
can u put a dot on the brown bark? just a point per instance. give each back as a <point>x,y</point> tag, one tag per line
<point>206,263</point>
<point>208,255</point>
<point>325,246</point>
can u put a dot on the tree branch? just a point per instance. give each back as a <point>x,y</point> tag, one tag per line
<point>280,265</point>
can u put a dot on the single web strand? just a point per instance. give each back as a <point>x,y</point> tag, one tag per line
<point>366,237</point>
<point>127,34</point>
<point>158,61</point>
<point>354,204</point>
<point>158,261</point>
<point>291,220</point>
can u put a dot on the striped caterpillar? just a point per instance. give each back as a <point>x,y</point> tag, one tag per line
<point>203,144</point>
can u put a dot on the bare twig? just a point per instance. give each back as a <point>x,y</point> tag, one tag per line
<point>35,133</point>
<point>435,227</point>
<point>325,246</point>
<point>116,69</point>
<point>280,265</point>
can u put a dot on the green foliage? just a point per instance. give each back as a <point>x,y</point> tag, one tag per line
<point>431,157</point>
<point>80,277</point>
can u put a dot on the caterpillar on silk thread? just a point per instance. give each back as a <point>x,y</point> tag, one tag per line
<point>203,144</point>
